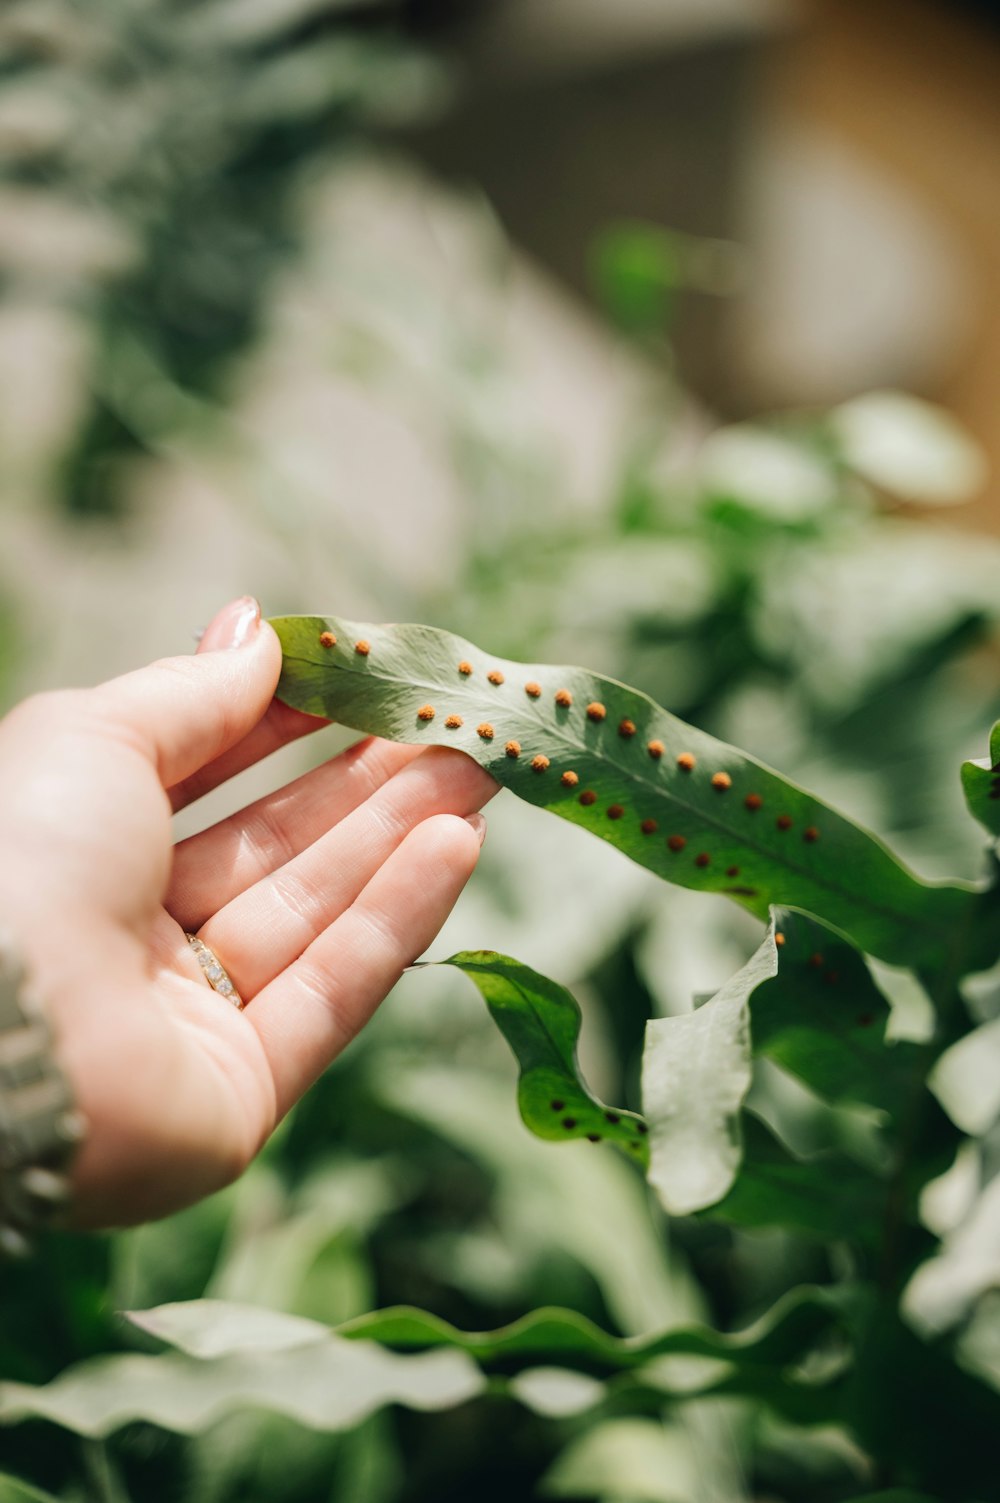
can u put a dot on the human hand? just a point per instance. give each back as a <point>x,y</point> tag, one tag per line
<point>315,898</point>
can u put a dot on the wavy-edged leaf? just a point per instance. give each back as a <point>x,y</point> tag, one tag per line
<point>541,1022</point>
<point>330,1386</point>
<point>716,820</point>
<point>552,1334</point>
<point>981,784</point>
<point>560,1345</point>
<point>695,1075</point>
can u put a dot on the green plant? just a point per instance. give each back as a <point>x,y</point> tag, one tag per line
<point>829,1090</point>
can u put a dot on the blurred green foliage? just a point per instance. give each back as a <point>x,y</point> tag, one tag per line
<point>761,583</point>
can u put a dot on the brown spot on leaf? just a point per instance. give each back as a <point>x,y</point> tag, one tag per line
<point>686,762</point>
<point>784,821</point>
<point>327,639</point>
<point>564,698</point>
<point>779,939</point>
<point>426,712</point>
<point>676,842</point>
<point>513,748</point>
<point>615,811</point>
<point>596,711</point>
<point>494,676</point>
<point>465,667</point>
<point>816,961</point>
<point>626,729</point>
<point>539,763</point>
<point>648,827</point>
<point>588,797</point>
<point>732,871</point>
<point>533,689</point>
<point>612,1117</point>
<point>593,1137</point>
<point>702,859</point>
<point>810,834</point>
<point>557,1106</point>
<point>866,1020</point>
<point>569,1123</point>
<point>569,778</point>
<point>753,801</point>
<point>485,731</point>
<point>655,749</point>
<point>453,722</point>
<point>362,648</point>
<point>721,781</point>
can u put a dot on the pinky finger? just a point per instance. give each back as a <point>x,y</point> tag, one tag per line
<point>309,1013</point>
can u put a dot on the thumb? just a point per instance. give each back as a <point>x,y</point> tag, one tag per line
<point>186,711</point>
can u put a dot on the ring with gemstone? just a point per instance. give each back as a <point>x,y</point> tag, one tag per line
<point>215,972</point>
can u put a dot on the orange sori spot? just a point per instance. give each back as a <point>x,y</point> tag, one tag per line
<point>702,858</point>
<point>784,821</point>
<point>732,871</point>
<point>453,722</point>
<point>564,698</point>
<point>816,961</point>
<point>426,712</point>
<point>465,667</point>
<point>810,833</point>
<point>539,763</point>
<point>588,797</point>
<point>595,710</point>
<point>753,801</point>
<point>533,689</point>
<point>615,811</point>
<point>327,639</point>
<point>648,827</point>
<point>656,749</point>
<point>485,730</point>
<point>495,676</point>
<point>362,648</point>
<point>513,748</point>
<point>779,939</point>
<point>569,778</point>
<point>721,781</point>
<point>686,762</point>
<point>676,842</point>
<point>626,729</point>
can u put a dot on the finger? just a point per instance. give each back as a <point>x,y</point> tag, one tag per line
<point>212,868</point>
<point>307,1015</point>
<point>263,930</point>
<point>185,712</point>
<point>281,725</point>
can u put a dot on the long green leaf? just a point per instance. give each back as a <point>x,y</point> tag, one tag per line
<point>692,809</point>
<point>330,1386</point>
<point>981,783</point>
<point>541,1022</point>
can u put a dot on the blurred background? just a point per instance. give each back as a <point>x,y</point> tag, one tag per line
<point>660,336</point>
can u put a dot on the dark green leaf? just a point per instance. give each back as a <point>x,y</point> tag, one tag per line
<point>981,782</point>
<point>825,1196</point>
<point>541,1022</point>
<point>788,849</point>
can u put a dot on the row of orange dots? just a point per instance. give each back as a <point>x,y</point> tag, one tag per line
<point>596,712</point>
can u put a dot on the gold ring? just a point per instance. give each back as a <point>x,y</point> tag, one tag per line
<point>215,972</point>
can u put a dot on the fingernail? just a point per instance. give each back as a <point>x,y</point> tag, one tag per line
<point>235,625</point>
<point>478,823</point>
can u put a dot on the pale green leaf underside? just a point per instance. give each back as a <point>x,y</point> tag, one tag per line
<point>783,847</point>
<point>328,1386</point>
<point>541,1022</point>
<point>696,1072</point>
